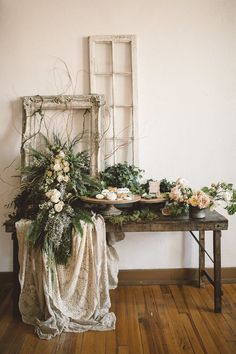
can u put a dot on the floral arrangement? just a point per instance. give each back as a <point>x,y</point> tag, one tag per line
<point>177,198</point>
<point>48,195</point>
<point>180,197</point>
<point>222,194</point>
<point>199,199</point>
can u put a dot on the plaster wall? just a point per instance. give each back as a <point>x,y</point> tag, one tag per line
<point>186,95</point>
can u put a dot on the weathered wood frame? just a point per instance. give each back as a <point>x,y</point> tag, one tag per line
<point>114,39</point>
<point>93,103</point>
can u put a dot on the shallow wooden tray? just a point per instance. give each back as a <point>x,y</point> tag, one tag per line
<point>160,199</point>
<point>135,199</point>
<point>110,204</point>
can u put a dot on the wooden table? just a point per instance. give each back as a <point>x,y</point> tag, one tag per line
<point>213,221</point>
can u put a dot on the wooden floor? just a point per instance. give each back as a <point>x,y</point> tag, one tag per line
<point>150,319</point>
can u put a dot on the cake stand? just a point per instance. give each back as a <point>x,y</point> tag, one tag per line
<point>110,209</point>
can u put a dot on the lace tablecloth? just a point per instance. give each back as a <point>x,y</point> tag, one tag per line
<point>72,298</point>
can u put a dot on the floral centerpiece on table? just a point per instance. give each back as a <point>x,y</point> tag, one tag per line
<point>177,198</point>
<point>222,195</point>
<point>49,190</point>
<point>180,197</point>
<point>199,199</point>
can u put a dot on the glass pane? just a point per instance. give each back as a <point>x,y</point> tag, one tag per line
<point>109,153</point>
<point>103,58</point>
<point>122,90</point>
<point>108,123</point>
<point>123,122</point>
<point>124,151</point>
<point>104,86</point>
<point>122,57</point>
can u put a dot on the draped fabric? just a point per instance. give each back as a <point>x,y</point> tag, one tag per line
<point>71,298</point>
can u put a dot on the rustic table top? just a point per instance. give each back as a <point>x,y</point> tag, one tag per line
<point>212,221</point>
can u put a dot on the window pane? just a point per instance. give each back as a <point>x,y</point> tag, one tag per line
<point>104,86</point>
<point>108,123</point>
<point>122,90</point>
<point>123,122</point>
<point>103,58</point>
<point>122,57</point>
<point>109,152</point>
<point>124,151</point>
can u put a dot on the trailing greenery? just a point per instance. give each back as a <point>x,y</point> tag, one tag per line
<point>137,215</point>
<point>48,195</point>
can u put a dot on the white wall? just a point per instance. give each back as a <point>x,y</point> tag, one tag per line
<point>187,96</point>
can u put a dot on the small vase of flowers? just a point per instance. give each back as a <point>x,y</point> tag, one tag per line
<point>181,199</point>
<point>198,203</point>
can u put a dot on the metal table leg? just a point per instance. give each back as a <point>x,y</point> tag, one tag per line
<point>217,269</point>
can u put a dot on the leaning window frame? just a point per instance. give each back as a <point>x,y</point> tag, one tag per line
<point>113,40</point>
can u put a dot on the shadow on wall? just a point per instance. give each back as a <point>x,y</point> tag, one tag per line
<point>10,156</point>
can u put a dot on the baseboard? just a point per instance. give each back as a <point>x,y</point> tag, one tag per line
<point>170,276</point>
<point>6,278</point>
<point>155,276</point>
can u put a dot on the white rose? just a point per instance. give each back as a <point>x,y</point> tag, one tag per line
<point>216,204</point>
<point>59,206</point>
<point>57,162</point>
<point>60,178</point>
<point>61,154</point>
<point>56,192</point>
<point>105,191</point>
<point>66,178</point>
<point>66,163</point>
<point>182,182</point>
<point>227,195</point>
<point>55,196</point>
<point>66,169</point>
<point>55,199</point>
<point>57,167</point>
<point>49,193</point>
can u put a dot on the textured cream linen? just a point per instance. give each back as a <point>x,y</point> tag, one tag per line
<point>72,298</point>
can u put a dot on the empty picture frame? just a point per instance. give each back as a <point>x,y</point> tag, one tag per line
<point>68,116</point>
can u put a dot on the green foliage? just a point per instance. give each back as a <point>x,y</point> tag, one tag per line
<point>50,186</point>
<point>175,208</point>
<point>123,175</point>
<point>165,186</point>
<point>224,193</point>
<point>138,215</point>
<point>81,215</point>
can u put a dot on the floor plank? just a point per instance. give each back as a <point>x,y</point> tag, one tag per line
<point>150,320</point>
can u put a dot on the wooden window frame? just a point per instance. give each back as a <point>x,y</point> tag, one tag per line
<point>113,39</point>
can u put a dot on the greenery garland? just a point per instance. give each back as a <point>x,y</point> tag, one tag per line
<point>49,195</point>
<point>137,215</point>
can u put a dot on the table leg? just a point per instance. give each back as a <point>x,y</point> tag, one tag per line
<point>217,269</point>
<point>16,285</point>
<point>201,282</point>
